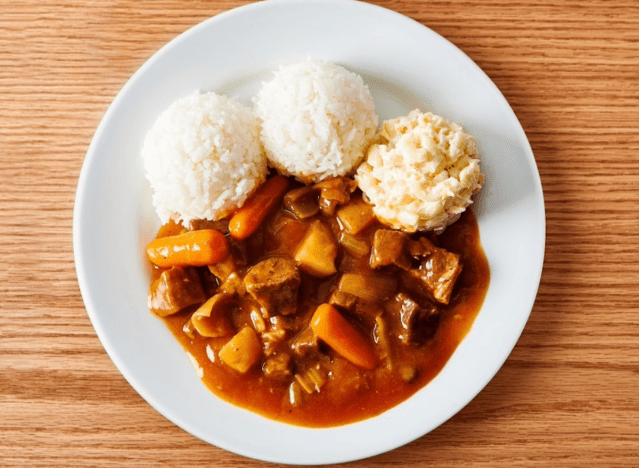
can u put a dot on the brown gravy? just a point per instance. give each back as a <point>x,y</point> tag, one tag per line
<point>357,394</point>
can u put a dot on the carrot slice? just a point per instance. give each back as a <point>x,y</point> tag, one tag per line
<point>196,248</point>
<point>248,218</point>
<point>330,326</point>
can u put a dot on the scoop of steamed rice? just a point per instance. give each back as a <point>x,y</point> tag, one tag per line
<point>317,120</point>
<point>420,173</point>
<point>203,157</point>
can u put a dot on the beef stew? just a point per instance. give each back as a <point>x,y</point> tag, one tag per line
<point>321,315</point>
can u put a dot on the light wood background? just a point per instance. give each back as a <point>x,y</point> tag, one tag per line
<point>568,396</point>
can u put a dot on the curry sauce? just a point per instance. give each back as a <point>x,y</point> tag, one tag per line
<point>297,377</point>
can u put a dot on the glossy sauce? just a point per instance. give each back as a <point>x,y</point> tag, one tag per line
<point>356,394</point>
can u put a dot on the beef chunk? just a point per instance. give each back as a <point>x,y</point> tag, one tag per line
<point>418,321</point>
<point>175,289</point>
<point>197,224</point>
<point>239,251</point>
<point>274,283</point>
<point>389,248</point>
<point>209,281</point>
<point>420,247</point>
<point>438,270</point>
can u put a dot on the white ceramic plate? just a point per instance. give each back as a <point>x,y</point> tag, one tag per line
<point>406,65</point>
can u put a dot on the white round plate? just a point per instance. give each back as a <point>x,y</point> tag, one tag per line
<point>406,66</point>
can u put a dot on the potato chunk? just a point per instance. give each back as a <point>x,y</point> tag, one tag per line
<point>317,251</point>
<point>242,351</point>
<point>356,216</point>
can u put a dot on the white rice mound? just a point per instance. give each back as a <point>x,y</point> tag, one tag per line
<point>420,173</point>
<point>317,120</point>
<point>203,158</point>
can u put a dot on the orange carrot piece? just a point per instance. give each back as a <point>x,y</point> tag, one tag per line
<point>196,248</point>
<point>248,218</point>
<point>330,326</point>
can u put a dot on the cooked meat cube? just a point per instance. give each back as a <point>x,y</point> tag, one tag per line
<point>418,321</point>
<point>439,271</point>
<point>278,366</point>
<point>209,281</point>
<point>239,249</point>
<point>175,289</point>
<point>305,343</point>
<point>274,283</point>
<point>389,248</point>
<point>222,225</point>
<point>421,247</point>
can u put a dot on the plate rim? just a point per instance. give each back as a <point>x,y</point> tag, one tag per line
<point>80,261</point>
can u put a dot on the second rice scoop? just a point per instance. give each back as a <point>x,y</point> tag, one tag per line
<point>317,120</point>
<point>420,173</point>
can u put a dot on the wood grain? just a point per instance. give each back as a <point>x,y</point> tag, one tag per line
<point>568,396</point>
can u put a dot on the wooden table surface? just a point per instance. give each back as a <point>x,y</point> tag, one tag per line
<point>568,396</point>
